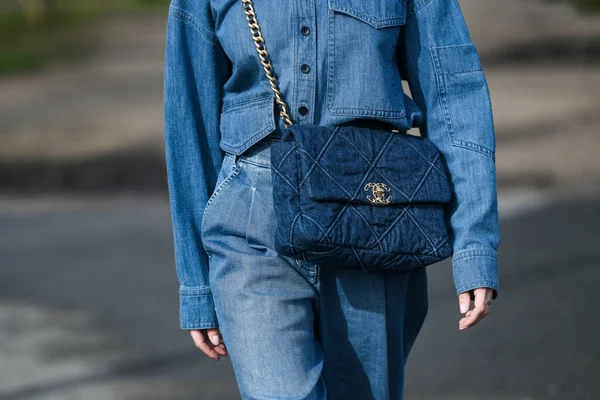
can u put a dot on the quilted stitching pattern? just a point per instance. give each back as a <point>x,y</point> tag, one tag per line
<point>324,215</point>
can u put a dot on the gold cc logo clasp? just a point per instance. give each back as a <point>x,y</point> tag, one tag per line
<point>378,191</point>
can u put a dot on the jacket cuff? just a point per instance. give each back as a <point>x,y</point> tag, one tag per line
<point>196,308</point>
<point>474,269</point>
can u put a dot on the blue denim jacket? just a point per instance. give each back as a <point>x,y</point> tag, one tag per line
<point>336,60</point>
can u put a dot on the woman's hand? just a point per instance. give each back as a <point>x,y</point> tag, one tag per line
<point>210,342</point>
<point>481,309</point>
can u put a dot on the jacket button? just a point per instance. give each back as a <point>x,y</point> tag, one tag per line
<point>305,68</point>
<point>303,110</point>
<point>304,31</point>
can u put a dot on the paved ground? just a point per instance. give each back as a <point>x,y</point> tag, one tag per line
<point>88,304</point>
<point>88,308</point>
<point>542,341</point>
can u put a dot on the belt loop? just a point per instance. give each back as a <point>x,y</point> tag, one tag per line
<point>235,157</point>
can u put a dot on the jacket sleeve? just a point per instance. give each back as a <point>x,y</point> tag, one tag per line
<point>442,68</point>
<point>195,70</point>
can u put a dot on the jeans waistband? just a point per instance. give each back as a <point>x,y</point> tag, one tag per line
<point>259,153</point>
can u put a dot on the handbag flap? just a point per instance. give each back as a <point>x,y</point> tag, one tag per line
<point>369,166</point>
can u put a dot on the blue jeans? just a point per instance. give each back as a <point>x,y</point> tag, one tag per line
<point>295,330</point>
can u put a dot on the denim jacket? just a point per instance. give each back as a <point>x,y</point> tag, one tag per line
<point>336,60</point>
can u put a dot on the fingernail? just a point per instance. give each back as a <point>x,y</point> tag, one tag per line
<point>463,308</point>
<point>214,339</point>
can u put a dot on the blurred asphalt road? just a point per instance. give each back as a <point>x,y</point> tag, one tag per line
<point>88,308</point>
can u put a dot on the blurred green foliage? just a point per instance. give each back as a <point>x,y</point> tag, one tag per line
<point>588,4</point>
<point>581,6</point>
<point>591,4</point>
<point>33,32</point>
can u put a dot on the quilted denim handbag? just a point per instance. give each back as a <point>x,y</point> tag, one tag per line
<point>355,197</point>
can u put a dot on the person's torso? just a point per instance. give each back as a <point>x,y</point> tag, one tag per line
<point>335,61</point>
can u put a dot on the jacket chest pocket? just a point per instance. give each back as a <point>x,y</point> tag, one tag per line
<point>362,73</point>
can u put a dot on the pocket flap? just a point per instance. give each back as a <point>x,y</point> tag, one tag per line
<point>245,122</point>
<point>378,167</point>
<point>379,14</point>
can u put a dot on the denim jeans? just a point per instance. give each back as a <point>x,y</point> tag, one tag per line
<point>295,330</point>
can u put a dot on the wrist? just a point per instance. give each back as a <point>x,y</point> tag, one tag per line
<point>475,268</point>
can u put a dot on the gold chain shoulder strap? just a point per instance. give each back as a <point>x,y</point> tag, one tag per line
<point>265,59</point>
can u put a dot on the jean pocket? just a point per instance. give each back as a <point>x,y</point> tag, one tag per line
<point>260,227</point>
<point>227,173</point>
<point>362,74</point>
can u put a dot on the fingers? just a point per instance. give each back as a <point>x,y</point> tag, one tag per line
<point>472,319</point>
<point>199,337</point>
<point>480,310</point>
<point>464,301</point>
<point>201,341</point>
<point>217,341</point>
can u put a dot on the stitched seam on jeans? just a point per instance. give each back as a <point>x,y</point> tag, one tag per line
<point>254,163</point>
<point>235,172</point>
